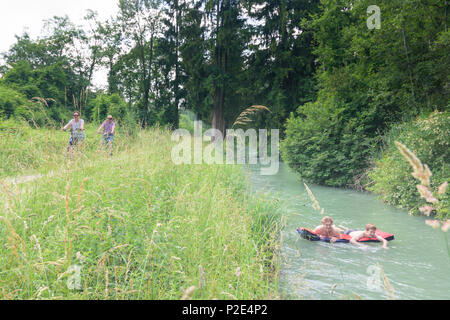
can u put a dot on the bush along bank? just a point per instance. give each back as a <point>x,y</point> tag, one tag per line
<point>428,137</point>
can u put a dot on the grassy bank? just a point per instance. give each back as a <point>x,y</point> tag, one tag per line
<point>26,151</point>
<point>133,226</point>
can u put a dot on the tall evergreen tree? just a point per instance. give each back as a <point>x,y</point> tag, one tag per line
<point>141,25</point>
<point>280,64</point>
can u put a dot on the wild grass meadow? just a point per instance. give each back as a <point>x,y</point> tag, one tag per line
<point>129,226</point>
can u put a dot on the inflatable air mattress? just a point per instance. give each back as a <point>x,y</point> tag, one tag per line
<point>310,235</point>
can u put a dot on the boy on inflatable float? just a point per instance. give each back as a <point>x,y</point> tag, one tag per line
<point>328,230</point>
<point>368,233</point>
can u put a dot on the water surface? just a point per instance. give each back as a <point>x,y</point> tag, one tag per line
<point>416,264</point>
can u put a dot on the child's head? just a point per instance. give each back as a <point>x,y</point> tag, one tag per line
<point>327,221</point>
<point>370,228</point>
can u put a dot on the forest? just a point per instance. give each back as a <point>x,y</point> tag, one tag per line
<point>339,90</point>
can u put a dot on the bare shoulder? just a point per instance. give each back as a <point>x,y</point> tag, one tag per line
<point>338,230</point>
<point>318,229</point>
<point>356,234</point>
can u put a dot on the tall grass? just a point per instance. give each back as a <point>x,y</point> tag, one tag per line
<point>133,226</point>
<point>25,150</point>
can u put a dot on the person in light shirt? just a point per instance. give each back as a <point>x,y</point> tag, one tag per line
<point>77,130</point>
<point>109,130</point>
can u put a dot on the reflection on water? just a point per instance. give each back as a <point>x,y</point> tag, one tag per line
<point>416,264</point>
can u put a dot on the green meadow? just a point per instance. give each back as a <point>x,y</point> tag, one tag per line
<point>131,226</point>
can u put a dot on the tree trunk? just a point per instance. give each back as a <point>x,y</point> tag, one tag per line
<point>218,116</point>
<point>405,45</point>
<point>112,87</point>
<point>218,119</point>
<point>147,79</point>
<point>177,68</point>
<point>91,69</point>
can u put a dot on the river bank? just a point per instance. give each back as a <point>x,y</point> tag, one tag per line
<point>133,226</point>
<point>415,265</point>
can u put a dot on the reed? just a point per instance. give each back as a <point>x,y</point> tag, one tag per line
<point>434,199</point>
<point>387,285</point>
<point>248,114</point>
<point>316,205</point>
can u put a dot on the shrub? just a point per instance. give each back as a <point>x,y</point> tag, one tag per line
<point>108,104</point>
<point>38,112</point>
<point>428,137</point>
<point>325,145</point>
<point>10,100</point>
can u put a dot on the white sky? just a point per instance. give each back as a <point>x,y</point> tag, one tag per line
<point>19,15</point>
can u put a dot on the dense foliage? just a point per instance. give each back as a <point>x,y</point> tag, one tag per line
<point>333,85</point>
<point>429,138</point>
<point>368,80</point>
<point>10,101</point>
<point>213,57</point>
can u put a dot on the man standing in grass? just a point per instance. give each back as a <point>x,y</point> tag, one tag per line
<point>109,129</point>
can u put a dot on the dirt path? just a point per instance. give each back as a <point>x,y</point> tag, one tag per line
<point>25,179</point>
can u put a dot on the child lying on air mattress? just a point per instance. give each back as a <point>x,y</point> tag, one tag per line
<point>370,234</point>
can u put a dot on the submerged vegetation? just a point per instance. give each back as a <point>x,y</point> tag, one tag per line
<point>130,226</point>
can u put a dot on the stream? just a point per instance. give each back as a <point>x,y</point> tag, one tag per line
<point>416,265</point>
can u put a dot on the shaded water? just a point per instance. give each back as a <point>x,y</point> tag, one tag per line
<point>416,264</point>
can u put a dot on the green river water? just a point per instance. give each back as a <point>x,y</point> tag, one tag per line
<point>416,264</point>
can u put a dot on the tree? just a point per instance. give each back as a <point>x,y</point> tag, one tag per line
<point>226,44</point>
<point>141,25</point>
<point>280,63</point>
<point>194,62</point>
<point>170,61</point>
<point>111,37</point>
<point>372,79</point>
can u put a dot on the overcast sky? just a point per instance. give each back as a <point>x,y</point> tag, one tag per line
<point>19,15</point>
